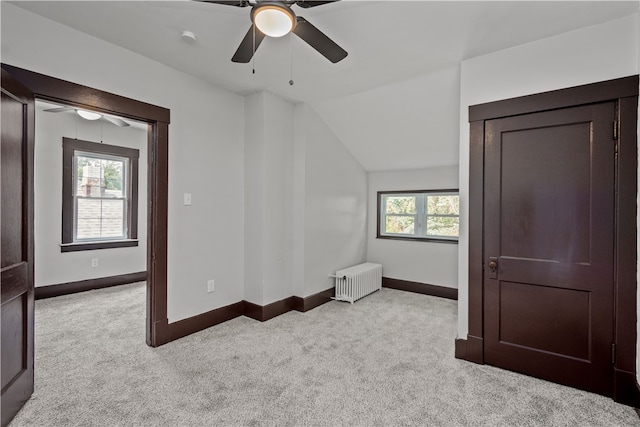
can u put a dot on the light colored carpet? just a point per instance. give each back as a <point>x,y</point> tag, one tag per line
<point>386,360</point>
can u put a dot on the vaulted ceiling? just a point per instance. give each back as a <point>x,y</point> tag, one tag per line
<point>398,50</point>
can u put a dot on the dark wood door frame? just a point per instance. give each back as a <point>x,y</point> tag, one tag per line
<point>624,92</point>
<point>53,89</point>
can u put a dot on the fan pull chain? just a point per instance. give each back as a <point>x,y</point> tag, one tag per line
<point>291,51</point>
<point>253,56</point>
<point>101,127</point>
<point>76,117</point>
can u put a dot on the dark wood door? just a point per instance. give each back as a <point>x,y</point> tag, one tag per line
<point>17,246</point>
<point>549,229</point>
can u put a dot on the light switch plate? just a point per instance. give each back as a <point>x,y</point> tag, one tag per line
<point>187,199</point>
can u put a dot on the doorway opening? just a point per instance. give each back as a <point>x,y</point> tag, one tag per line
<point>98,238</point>
<point>46,88</point>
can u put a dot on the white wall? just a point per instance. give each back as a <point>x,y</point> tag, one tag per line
<point>381,126</point>
<point>268,198</point>
<point>206,149</point>
<point>51,265</point>
<point>305,202</point>
<point>330,205</point>
<point>424,262</point>
<point>253,197</point>
<point>278,137</point>
<point>588,55</point>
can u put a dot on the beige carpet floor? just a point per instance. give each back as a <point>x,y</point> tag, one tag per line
<point>386,360</point>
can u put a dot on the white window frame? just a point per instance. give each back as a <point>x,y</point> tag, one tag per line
<point>420,217</point>
<point>124,198</point>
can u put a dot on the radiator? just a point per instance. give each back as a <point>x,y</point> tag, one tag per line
<point>358,281</point>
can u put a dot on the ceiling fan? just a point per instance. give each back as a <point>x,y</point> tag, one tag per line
<point>276,19</point>
<point>90,115</point>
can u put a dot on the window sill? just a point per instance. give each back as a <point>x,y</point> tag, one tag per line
<point>90,246</point>
<point>419,239</point>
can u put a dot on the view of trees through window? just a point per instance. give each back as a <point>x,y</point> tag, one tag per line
<point>443,213</point>
<point>109,171</point>
<point>421,215</point>
<point>401,214</point>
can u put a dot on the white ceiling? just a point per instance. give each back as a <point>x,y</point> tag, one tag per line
<point>388,42</point>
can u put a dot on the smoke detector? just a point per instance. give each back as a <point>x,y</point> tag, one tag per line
<point>188,36</point>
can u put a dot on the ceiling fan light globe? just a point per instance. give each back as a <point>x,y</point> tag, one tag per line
<point>88,115</point>
<point>274,20</point>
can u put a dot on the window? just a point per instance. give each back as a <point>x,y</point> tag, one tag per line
<point>99,196</point>
<point>419,215</point>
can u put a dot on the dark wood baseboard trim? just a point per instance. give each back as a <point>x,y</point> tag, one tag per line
<point>161,334</point>
<point>420,288</point>
<point>626,388</point>
<point>471,349</point>
<point>269,311</point>
<point>252,310</point>
<point>191,325</point>
<point>461,349</point>
<point>312,301</point>
<point>277,308</point>
<point>475,349</point>
<point>50,291</point>
<point>194,324</point>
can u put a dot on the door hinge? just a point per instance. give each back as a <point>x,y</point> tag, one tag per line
<point>615,130</point>
<point>613,353</point>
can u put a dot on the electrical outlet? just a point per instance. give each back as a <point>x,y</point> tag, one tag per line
<point>94,262</point>
<point>211,285</point>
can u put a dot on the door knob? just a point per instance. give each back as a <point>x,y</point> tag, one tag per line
<point>493,266</point>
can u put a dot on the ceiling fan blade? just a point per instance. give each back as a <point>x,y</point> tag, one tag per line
<point>58,109</point>
<point>237,3</point>
<point>246,49</point>
<point>319,41</point>
<point>306,4</point>
<point>116,121</point>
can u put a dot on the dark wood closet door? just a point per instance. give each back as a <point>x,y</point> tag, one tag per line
<point>17,246</point>
<point>549,245</point>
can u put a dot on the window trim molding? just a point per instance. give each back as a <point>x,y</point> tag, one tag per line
<point>69,146</point>
<point>102,244</point>
<point>379,235</point>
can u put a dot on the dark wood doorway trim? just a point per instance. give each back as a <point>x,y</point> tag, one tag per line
<point>53,89</point>
<point>625,92</point>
